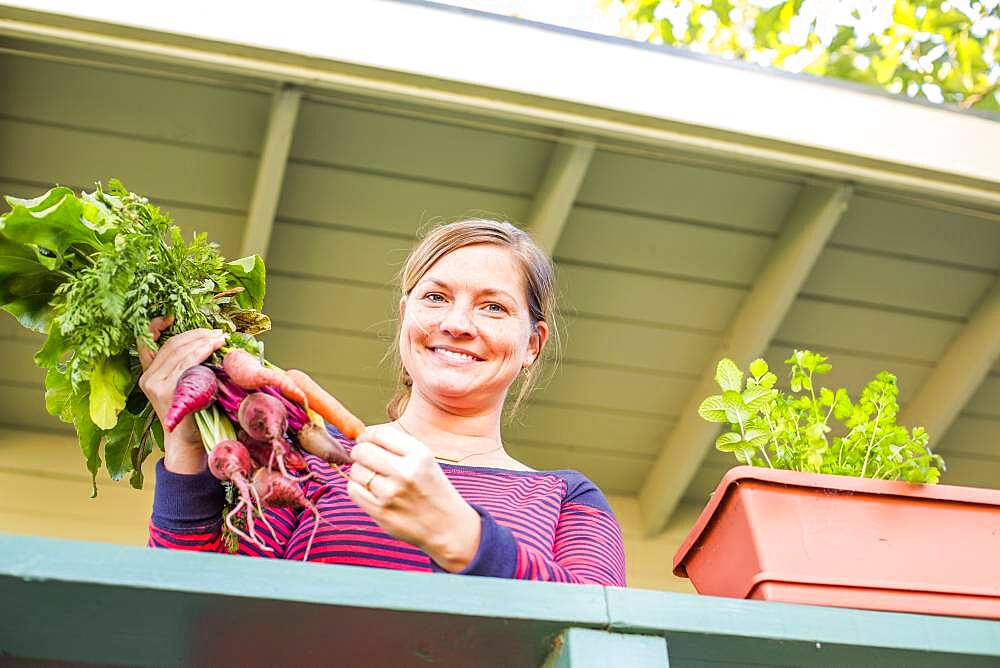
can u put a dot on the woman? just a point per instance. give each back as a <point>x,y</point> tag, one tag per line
<point>434,488</point>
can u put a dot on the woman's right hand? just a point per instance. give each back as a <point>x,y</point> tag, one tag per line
<point>184,451</point>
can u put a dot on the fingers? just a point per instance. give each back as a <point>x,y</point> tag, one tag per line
<point>361,496</point>
<point>372,457</point>
<point>392,439</point>
<point>156,327</point>
<point>357,488</point>
<point>175,358</point>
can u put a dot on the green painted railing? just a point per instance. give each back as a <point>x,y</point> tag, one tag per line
<point>88,602</point>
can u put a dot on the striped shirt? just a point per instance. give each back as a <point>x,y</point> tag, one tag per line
<point>536,525</point>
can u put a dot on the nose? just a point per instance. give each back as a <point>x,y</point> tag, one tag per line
<point>457,322</point>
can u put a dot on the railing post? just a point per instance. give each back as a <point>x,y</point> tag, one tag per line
<point>590,648</point>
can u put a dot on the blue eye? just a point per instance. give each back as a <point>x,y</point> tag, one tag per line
<point>434,297</point>
<point>499,308</point>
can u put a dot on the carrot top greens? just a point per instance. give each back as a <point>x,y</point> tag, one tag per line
<point>91,271</point>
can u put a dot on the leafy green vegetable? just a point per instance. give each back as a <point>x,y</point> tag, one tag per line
<point>91,271</point>
<point>793,431</point>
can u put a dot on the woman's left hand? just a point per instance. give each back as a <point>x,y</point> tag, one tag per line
<point>395,479</point>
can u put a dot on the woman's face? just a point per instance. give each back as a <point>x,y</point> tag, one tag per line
<point>466,329</point>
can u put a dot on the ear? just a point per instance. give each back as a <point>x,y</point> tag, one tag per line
<point>402,308</point>
<point>537,340</point>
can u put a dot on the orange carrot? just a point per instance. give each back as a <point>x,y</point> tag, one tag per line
<point>246,371</point>
<point>326,405</point>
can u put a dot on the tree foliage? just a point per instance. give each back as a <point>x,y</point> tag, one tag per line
<point>942,50</point>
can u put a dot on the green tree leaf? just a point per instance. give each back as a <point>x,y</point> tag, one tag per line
<point>758,368</point>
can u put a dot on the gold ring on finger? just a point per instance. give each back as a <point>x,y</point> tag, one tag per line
<point>370,480</point>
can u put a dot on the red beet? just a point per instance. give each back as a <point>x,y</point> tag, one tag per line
<point>277,491</point>
<point>230,461</point>
<point>263,417</point>
<point>196,389</point>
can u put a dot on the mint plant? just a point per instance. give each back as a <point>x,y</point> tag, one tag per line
<point>814,429</point>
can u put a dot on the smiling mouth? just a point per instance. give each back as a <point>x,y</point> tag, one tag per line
<point>455,355</point>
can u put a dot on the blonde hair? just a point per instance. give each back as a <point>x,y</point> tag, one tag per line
<point>539,279</point>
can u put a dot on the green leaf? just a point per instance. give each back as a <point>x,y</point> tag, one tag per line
<point>722,9</point>
<point>121,441</point>
<point>27,287</point>
<point>737,412</point>
<point>728,375</point>
<point>843,36</point>
<point>758,368</point>
<point>249,273</point>
<point>768,380</point>
<point>755,397</point>
<point>89,436</point>
<point>826,397</point>
<point>58,393</point>
<point>110,383</point>
<point>764,31</point>
<point>903,13</point>
<point>53,350</point>
<point>755,438</point>
<point>51,230</point>
<point>713,409</point>
<point>728,442</point>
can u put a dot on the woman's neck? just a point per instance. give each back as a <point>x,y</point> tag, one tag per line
<point>450,434</point>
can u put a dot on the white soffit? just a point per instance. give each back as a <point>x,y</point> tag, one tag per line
<point>606,73</point>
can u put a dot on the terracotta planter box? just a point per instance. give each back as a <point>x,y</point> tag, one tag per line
<point>847,542</point>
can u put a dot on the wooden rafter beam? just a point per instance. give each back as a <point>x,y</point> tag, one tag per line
<point>805,233</point>
<point>961,371</point>
<point>271,171</point>
<point>557,192</point>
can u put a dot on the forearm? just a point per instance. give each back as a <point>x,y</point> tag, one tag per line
<point>587,550</point>
<point>187,515</point>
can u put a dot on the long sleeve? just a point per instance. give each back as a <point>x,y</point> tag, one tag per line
<point>187,515</point>
<point>586,549</point>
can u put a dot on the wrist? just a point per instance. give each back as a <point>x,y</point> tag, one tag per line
<point>456,548</point>
<point>183,456</point>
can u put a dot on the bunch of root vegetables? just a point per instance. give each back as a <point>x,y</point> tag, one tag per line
<point>278,412</point>
<point>90,271</point>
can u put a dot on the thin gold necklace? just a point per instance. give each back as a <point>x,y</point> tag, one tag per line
<point>446,459</point>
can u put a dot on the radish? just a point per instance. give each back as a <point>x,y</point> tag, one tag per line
<point>277,491</point>
<point>229,461</point>
<point>260,453</point>
<point>265,418</point>
<point>196,389</point>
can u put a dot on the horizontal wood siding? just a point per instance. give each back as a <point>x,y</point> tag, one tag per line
<point>655,260</point>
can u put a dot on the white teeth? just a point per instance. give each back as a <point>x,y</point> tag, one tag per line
<point>454,355</point>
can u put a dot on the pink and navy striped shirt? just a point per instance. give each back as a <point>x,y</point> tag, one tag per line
<point>536,525</point>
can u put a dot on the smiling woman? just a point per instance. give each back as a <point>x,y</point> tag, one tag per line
<point>434,489</point>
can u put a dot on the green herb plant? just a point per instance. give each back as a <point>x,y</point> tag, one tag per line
<point>815,429</point>
<point>90,272</point>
